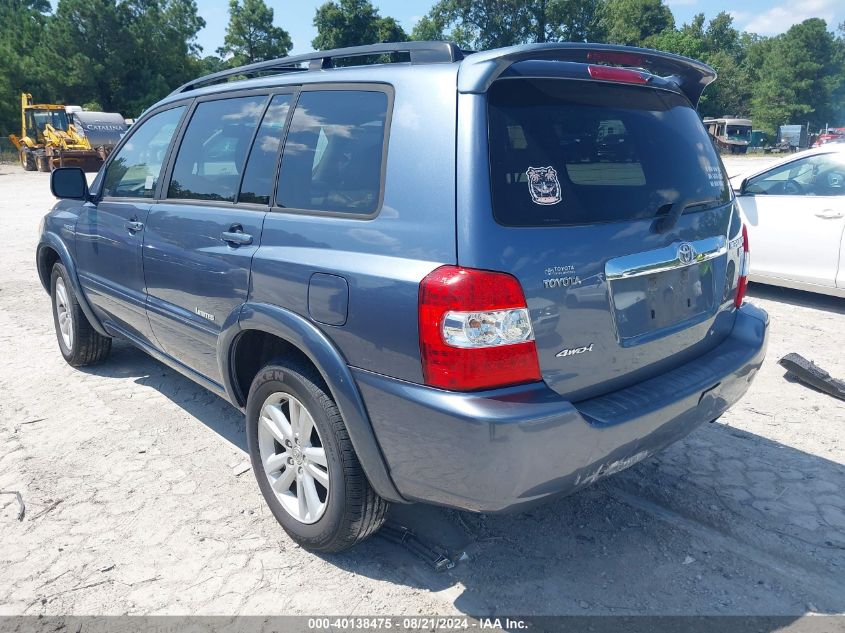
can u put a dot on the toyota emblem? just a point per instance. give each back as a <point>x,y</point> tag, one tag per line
<point>686,253</point>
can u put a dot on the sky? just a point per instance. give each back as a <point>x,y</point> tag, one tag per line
<point>765,17</point>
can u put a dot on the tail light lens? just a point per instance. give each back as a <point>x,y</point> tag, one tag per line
<point>611,73</point>
<point>744,268</point>
<point>475,332</point>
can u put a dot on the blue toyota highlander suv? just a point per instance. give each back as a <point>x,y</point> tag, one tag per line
<point>468,279</point>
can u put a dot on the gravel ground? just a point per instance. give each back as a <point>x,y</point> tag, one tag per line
<point>133,504</point>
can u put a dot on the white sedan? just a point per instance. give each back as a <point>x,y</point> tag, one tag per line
<point>795,213</point>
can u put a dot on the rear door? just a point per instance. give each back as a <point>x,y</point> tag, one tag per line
<point>796,218</point>
<point>201,237</point>
<point>581,176</point>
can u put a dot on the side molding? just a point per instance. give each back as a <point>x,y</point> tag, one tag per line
<point>316,345</point>
<point>53,241</point>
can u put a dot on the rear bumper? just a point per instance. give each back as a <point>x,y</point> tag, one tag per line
<point>503,449</point>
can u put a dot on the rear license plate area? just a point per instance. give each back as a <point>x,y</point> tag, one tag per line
<point>661,302</point>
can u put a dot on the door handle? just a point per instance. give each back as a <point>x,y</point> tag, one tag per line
<point>133,226</point>
<point>236,237</point>
<point>829,214</point>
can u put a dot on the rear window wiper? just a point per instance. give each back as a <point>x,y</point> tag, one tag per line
<point>676,210</point>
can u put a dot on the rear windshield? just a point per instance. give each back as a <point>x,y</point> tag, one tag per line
<point>575,152</point>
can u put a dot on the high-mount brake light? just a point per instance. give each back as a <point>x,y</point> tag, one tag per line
<point>615,57</point>
<point>744,269</point>
<point>475,331</point>
<point>611,73</point>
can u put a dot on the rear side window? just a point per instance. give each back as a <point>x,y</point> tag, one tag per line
<point>214,147</point>
<point>261,166</point>
<point>135,169</point>
<point>573,152</point>
<point>332,159</point>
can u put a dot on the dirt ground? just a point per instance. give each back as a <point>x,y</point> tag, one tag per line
<point>134,504</point>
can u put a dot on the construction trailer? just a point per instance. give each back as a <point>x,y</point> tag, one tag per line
<point>48,139</point>
<point>795,137</point>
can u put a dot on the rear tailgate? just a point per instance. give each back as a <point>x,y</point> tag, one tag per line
<point>578,177</point>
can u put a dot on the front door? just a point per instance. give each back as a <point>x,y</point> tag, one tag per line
<point>796,217</point>
<point>110,232</point>
<point>200,239</point>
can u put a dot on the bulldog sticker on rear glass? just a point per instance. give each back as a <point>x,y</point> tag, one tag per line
<point>543,185</point>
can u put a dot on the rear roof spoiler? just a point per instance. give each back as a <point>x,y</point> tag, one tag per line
<point>479,70</point>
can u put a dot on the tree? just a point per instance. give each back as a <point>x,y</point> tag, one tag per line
<point>482,24</point>
<point>800,75</point>
<point>123,54</point>
<point>169,28</point>
<point>87,52</point>
<point>353,23</point>
<point>251,35</point>
<point>719,45</point>
<point>210,64</point>
<point>563,21</point>
<point>477,24</point>
<point>22,24</point>
<point>632,22</point>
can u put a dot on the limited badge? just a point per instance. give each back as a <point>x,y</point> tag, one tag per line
<point>543,185</point>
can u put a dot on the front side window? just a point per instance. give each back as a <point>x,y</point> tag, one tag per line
<point>332,159</point>
<point>135,169</point>
<point>214,147</point>
<point>820,175</point>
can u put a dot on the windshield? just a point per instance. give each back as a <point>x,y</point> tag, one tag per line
<point>56,118</point>
<point>739,132</point>
<point>572,152</point>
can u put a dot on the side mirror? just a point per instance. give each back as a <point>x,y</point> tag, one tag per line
<point>742,186</point>
<point>69,183</point>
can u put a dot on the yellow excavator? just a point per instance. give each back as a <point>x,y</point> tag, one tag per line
<point>48,139</point>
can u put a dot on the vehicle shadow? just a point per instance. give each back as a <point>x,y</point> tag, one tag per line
<point>723,522</point>
<point>798,298</point>
<point>127,361</point>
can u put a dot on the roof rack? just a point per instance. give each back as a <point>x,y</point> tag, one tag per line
<point>420,53</point>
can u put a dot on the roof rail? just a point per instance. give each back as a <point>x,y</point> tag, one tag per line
<point>420,53</point>
<point>480,70</point>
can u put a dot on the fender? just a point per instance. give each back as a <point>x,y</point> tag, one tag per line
<point>335,372</point>
<point>51,240</point>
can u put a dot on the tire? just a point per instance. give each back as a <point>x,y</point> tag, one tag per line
<point>79,343</point>
<point>349,510</point>
<point>27,160</point>
<point>43,163</point>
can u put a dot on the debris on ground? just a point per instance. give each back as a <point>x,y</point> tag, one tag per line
<point>403,536</point>
<point>22,507</point>
<point>809,373</point>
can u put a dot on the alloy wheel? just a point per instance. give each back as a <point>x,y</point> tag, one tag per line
<point>63,313</point>
<point>293,457</point>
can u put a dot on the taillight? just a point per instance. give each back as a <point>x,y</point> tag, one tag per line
<point>610,73</point>
<point>744,268</point>
<point>475,332</point>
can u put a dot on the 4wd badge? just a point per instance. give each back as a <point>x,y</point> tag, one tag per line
<point>543,185</point>
<point>574,351</point>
